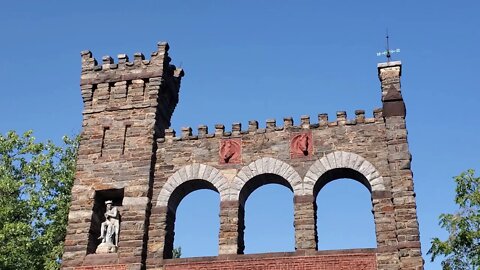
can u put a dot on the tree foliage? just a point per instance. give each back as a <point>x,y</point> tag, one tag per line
<point>462,248</point>
<point>35,185</point>
<point>177,252</point>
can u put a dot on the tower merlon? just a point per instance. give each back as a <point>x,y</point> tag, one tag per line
<point>305,121</point>
<point>111,72</point>
<point>392,64</point>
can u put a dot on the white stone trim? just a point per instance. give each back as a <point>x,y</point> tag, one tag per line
<point>263,166</point>
<point>341,159</point>
<point>192,172</point>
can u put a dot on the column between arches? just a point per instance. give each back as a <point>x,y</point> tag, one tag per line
<point>265,171</point>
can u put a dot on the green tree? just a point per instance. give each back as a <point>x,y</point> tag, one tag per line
<point>177,252</point>
<point>462,248</point>
<point>35,185</point>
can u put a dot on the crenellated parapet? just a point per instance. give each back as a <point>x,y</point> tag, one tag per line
<point>129,84</point>
<point>139,68</point>
<point>253,127</point>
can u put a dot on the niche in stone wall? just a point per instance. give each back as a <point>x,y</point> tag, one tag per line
<point>98,212</point>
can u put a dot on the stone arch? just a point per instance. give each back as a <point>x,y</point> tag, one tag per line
<point>184,181</point>
<point>340,164</point>
<point>267,166</point>
<point>254,175</point>
<point>343,164</point>
<point>196,171</point>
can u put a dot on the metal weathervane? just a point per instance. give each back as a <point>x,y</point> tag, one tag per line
<point>388,52</point>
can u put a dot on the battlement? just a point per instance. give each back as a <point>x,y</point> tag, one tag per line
<point>93,73</point>
<point>271,126</point>
<point>128,84</point>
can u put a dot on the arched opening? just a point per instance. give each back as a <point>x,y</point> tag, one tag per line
<point>344,210</point>
<point>184,209</point>
<point>266,215</point>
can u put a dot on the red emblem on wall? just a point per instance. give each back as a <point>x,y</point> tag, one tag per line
<point>230,151</point>
<point>301,145</point>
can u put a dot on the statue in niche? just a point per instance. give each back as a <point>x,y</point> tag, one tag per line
<point>301,145</point>
<point>109,230</point>
<point>230,151</point>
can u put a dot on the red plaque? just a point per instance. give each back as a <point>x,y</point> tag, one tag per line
<point>301,145</point>
<point>230,151</point>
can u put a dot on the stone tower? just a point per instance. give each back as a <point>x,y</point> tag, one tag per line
<point>128,155</point>
<point>127,106</point>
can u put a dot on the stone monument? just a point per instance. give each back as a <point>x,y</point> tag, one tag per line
<point>129,154</point>
<point>109,230</point>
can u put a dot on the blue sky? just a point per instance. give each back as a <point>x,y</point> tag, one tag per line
<point>265,59</point>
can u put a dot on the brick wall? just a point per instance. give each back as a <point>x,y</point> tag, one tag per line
<point>352,261</point>
<point>103,267</point>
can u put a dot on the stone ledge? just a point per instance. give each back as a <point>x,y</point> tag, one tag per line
<point>359,259</point>
<point>101,259</point>
<point>103,267</point>
<point>118,77</point>
<point>302,253</point>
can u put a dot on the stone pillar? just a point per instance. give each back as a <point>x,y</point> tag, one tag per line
<point>157,233</point>
<point>385,230</point>
<point>305,215</point>
<point>399,157</point>
<point>230,238</point>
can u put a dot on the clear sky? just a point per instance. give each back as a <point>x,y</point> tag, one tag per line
<point>258,59</point>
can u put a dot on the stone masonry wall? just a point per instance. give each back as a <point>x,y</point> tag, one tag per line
<point>399,159</point>
<point>129,155</point>
<point>363,136</point>
<point>373,151</point>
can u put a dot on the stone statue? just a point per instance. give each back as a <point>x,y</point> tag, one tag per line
<point>109,230</point>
